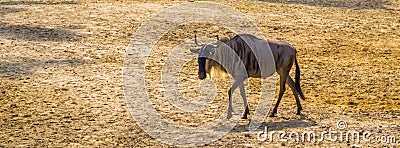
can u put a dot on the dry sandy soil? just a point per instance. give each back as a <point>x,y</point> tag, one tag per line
<point>61,71</point>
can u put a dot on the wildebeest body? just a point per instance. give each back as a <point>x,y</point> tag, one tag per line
<point>244,45</point>
<point>243,50</point>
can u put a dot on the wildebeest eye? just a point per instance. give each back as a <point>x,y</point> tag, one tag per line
<point>212,51</point>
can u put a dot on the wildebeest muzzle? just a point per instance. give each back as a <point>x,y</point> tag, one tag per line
<point>202,68</point>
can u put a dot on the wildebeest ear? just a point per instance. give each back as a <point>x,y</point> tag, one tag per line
<point>195,50</point>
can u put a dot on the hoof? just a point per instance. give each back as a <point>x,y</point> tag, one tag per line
<point>272,115</point>
<point>244,117</point>
<point>298,113</point>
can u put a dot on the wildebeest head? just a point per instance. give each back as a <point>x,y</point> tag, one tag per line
<point>205,52</point>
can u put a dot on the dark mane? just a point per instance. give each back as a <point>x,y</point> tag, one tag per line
<point>245,53</point>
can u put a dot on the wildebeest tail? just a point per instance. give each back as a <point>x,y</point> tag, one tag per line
<point>297,78</point>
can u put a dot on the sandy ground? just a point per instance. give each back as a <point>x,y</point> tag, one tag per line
<point>61,71</point>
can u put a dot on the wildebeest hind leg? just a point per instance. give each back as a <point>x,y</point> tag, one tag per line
<point>290,82</point>
<point>282,83</point>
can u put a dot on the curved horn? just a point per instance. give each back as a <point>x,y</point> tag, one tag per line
<point>216,43</point>
<point>195,41</point>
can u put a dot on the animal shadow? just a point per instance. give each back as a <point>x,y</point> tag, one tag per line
<point>272,126</point>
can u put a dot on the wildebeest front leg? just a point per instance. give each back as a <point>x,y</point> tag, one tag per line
<point>246,106</point>
<point>231,90</point>
<point>290,82</point>
<point>282,83</point>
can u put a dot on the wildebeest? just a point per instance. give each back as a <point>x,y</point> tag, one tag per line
<point>284,56</point>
